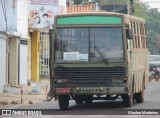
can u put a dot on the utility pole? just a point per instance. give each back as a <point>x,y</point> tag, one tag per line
<point>131,7</point>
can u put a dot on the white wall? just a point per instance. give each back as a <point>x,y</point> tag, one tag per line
<point>61,6</point>
<point>22,17</point>
<point>17,22</point>
<point>3,62</point>
<point>17,16</point>
<point>11,13</point>
<point>23,64</point>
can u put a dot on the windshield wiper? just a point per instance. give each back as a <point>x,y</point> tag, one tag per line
<point>101,54</point>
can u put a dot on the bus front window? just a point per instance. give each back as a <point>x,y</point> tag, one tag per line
<point>109,43</point>
<point>89,45</point>
<point>72,45</point>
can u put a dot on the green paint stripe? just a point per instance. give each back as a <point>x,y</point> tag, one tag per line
<point>89,20</point>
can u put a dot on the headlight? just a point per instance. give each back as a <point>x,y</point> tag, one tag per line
<point>62,80</point>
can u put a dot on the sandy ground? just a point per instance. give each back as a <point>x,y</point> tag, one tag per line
<point>12,98</point>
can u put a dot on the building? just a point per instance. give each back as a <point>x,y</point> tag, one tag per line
<point>41,19</point>
<point>13,42</point>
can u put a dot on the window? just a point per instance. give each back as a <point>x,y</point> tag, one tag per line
<point>106,44</point>
<point>89,45</point>
<point>72,45</point>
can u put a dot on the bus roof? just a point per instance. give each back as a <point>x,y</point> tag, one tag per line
<point>102,13</point>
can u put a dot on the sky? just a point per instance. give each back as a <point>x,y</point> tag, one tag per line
<point>153,3</point>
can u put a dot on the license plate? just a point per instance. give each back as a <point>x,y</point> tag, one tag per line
<point>62,90</point>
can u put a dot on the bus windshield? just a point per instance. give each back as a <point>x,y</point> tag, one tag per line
<point>89,45</point>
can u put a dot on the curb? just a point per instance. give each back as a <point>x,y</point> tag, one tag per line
<point>9,106</point>
<point>16,104</point>
<point>5,102</point>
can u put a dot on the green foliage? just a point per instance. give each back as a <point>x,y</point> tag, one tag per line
<point>151,36</point>
<point>140,9</point>
<point>153,21</point>
<point>153,30</point>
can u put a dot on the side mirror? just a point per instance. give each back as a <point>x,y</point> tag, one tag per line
<point>129,33</point>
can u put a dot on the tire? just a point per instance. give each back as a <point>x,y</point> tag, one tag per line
<point>127,100</point>
<point>139,97</point>
<point>88,99</point>
<point>63,102</point>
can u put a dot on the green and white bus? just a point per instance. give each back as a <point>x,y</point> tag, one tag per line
<point>98,56</point>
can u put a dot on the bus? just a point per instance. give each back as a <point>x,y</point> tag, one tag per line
<point>98,56</point>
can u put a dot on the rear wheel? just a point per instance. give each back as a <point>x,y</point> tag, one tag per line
<point>139,97</point>
<point>63,102</point>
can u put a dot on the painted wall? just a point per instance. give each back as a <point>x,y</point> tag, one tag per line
<point>17,23</point>
<point>61,6</point>
<point>11,13</point>
<point>17,16</point>
<point>22,17</point>
<point>35,55</point>
<point>13,60</point>
<point>3,62</point>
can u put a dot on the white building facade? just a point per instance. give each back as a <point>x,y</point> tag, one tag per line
<point>13,42</point>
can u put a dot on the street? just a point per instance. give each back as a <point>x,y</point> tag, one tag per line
<point>152,100</point>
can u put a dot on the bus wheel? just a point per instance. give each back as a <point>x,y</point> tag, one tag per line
<point>63,102</point>
<point>88,99</point>
<point>139,97</point>
<point>127,100</point>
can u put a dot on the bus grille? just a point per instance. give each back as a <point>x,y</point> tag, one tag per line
<point>89,75</point>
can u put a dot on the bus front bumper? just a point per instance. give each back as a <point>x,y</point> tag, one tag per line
<point>91,90</point>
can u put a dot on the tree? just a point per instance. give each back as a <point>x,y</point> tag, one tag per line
<point>153,41</point>
<point>140,9</point>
